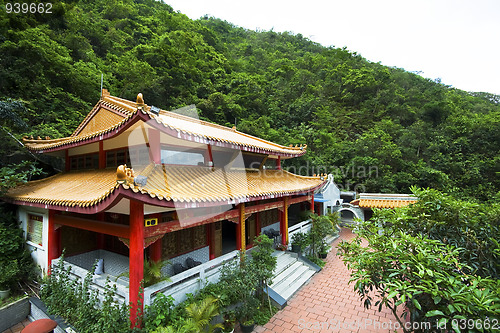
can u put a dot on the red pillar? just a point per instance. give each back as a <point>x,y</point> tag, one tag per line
<point>53,248</point>
<point>312,203</point>
<point>278,163</point>
<point>156,247</point>
<point>102,156</point>
<point>136,261</point>
<point>208,157</point>
<point>154,145</point>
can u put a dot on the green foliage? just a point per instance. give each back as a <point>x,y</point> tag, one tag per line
<point>474,229</point>
<point>153,273</point>
<point>379,129</point>
<point>160,313</point>
<point>413,262</point>
<point>300,239</point>
<point>199,317</point>
<point>9,271</point>
<point>16,264</point>
<point>322,227</point>
<point>79,304</point>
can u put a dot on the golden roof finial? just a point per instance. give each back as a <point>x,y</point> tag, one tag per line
<point>104,92</point>
<point>140,100</point>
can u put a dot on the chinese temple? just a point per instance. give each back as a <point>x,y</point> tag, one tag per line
<point>150,184</point>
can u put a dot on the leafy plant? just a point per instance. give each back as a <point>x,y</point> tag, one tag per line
<point>429,278</point>
<point>153,272</point>
<point>300,239</point>
<point>264,264</point>
<point>9,271</point>
<point>79,304</point>
<point>199,317</point>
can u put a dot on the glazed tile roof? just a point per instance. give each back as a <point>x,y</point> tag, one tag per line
<point>164,183</point>
<point>379,200</point>
<point>112,114</point>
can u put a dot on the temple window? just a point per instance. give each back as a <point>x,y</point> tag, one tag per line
<point>84,162</point>
<point>178,157</point>
<point>35,229</point>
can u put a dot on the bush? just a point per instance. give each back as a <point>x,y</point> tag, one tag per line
<point>430,278</point>
<point>16,263</point>
<point>79,304</point>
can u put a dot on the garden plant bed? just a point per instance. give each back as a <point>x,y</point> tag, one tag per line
<point>13,313</point>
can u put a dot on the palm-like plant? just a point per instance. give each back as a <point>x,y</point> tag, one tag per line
<point>200,316</point>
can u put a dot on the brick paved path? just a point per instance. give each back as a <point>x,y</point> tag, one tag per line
<point>328,300</point>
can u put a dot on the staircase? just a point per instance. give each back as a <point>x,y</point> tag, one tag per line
<point>290,274</point>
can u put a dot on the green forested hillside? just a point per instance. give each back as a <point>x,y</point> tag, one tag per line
<point>375,127</point>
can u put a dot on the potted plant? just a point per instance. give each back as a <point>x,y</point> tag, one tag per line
<point>246,313</point>
<point>8,274</point>
<point>299,242</point>
<point>323,250</point>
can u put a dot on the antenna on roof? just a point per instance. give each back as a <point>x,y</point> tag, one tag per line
<point>101,82</point>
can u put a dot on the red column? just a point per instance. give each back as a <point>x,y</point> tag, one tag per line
<point>156,247</point>
<point>53,247</point>
<point>278,163</point>
<point>136,260</point>
<point>154,145</point>
<point>312,203</point>
<point>102,156</point>
<point>208,155</point>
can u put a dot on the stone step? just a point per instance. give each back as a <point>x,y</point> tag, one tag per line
<point>288,293</point>
<point>293,273</point>
<point>283,262</point>
<point>283,275</point>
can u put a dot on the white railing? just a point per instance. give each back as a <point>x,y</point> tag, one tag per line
<point>189,281</point>
<point>99,281</point>
<point>303,227</point>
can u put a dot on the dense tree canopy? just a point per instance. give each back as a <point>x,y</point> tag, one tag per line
<point>376,127</point>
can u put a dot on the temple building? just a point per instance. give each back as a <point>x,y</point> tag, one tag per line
<point>142,183</point>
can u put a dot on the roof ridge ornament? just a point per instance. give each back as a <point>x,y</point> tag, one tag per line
<point>124,175</point>
<point>140,100</point>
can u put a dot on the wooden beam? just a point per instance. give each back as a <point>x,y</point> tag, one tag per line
<point>163,228</point>
<point>107,228</point>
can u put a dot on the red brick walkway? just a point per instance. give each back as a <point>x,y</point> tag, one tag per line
<point>327,303</point>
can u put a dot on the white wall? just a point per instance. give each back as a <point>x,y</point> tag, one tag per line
<point>38,253</point>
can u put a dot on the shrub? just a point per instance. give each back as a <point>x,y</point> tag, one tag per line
<point>79,304</point>
<point>409,264</point>
<point>16,263</point>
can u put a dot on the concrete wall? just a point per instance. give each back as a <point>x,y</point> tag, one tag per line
<point>39,253</point>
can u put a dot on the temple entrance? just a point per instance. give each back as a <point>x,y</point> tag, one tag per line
<point>228,236</point>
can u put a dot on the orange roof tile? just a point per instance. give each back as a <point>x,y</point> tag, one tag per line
<point>111,114</point>
<point>382,203</point>
<point>172,183</point>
